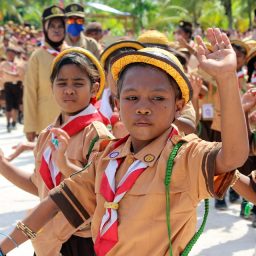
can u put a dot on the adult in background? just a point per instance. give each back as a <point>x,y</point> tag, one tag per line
<point>75,27</point>
<point>95,31</point>
<point>40,108</point>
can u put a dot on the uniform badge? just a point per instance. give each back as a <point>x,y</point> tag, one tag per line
<point>55,10</point>
<point>113,154</point>
<point>149,158</point>
<point>74,8</point>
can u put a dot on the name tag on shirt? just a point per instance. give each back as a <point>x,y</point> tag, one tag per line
<point>207,111</point>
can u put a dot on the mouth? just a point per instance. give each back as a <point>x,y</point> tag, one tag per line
<point>68,100</point>
<point>143,123</point>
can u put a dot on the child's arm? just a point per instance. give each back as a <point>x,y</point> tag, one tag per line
<point>221,64</point>
<point>43,213</point>
<point>243,187</point>
<point>17,176</point>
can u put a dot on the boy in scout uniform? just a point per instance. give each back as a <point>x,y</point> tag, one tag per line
<point>75,27</point>
<point>40,107</point>
<point>186,117</point>
<point>146,186</point>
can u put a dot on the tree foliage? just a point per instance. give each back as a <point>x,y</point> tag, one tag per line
<point>159,14</point>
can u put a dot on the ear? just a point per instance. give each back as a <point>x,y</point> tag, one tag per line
<point>180,103</point>
<point>117,103</point>
<point>95,89</point>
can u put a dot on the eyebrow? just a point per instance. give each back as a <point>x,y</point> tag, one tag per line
<point>74,79</point>
<point>155,90</point>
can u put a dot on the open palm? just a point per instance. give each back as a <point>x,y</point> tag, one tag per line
<point>222,60</point>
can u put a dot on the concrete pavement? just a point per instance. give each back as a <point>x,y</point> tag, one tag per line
<point>226,233</point>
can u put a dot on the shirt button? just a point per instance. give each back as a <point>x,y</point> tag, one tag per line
<point>130,160</point>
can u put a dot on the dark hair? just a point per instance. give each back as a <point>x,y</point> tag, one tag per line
<point>251,68</point>
<point>186,26</point>
<point>240,49</point>
<point>81,61</point>
<point>178,94</point>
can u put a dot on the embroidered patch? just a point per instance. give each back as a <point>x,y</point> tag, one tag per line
<point>149,158</point>
<point>113,154</point>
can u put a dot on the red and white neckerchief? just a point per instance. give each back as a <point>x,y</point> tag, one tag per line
<point>241,73</point>
<point>53,52</point>
<point>48,170</point>
<point>253,79</point>
<point>108,233</point>
<point>13,66</point>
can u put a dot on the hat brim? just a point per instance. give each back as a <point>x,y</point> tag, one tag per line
<point>168,66</point>
<point>75,14</point>
<point>54,16</point>
<point>92,58</point>
<point>116,46</point>
<point>241,44</point>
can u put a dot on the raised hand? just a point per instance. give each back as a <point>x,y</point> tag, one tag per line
<point>58,151</point>
<point>222,61</point>
<point>249,100</point>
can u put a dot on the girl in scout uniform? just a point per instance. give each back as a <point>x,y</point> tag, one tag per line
<point>136,192</point>
<point>77,79</point>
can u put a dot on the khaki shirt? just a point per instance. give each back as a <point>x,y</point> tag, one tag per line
<point>40,107</point>
<point>188,112</point>
<point>58,230</point>
<point>85,42</point>
<point>142,228</point>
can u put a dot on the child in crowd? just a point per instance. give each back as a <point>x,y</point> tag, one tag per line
<point>77,79</point>
<point>251,66</point>
<point>107,105</point>
<point>146,186</point>
<point>186,118</point>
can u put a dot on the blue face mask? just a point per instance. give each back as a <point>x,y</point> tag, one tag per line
<point>75,29</point>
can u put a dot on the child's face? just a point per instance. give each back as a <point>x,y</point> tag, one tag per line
<point>73,89</point>
<point>147,104</point>
<point>240,58</point>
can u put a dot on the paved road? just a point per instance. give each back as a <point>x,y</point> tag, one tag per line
<point>226,233</point>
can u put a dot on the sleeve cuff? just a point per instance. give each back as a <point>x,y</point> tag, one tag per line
<point>217,185</point>
<point>69,205</point>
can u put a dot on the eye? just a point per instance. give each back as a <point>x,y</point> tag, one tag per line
<point>61,84</point>
<point>131,98</point>
<point>78,85</point>
<point>158,98</point>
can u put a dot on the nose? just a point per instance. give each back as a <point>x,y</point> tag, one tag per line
<point>143,111</point>
<point>69,91</point>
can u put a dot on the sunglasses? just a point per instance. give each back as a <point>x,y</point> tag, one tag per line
<point>79,21</point>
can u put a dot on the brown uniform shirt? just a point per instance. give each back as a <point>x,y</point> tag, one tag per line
<point>58,230</point>
<point>142,228</point>
<point>87,43</point>
<point>40,107</point>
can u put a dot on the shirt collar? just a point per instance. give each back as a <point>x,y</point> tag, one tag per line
<point>148,155</point>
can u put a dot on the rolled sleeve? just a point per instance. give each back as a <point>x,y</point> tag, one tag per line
<point>216,185</point>
<point>75,196</point>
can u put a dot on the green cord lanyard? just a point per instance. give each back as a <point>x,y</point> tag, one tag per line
<point>168,175</point>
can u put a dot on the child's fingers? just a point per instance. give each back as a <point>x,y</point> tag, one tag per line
<point>226,41</point>
<point>211,37</point>
<point>217,35</point>
<point>201,54</point>
<point>59,132</point>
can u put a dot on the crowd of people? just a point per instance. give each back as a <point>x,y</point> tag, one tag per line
<point>127,136</point>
